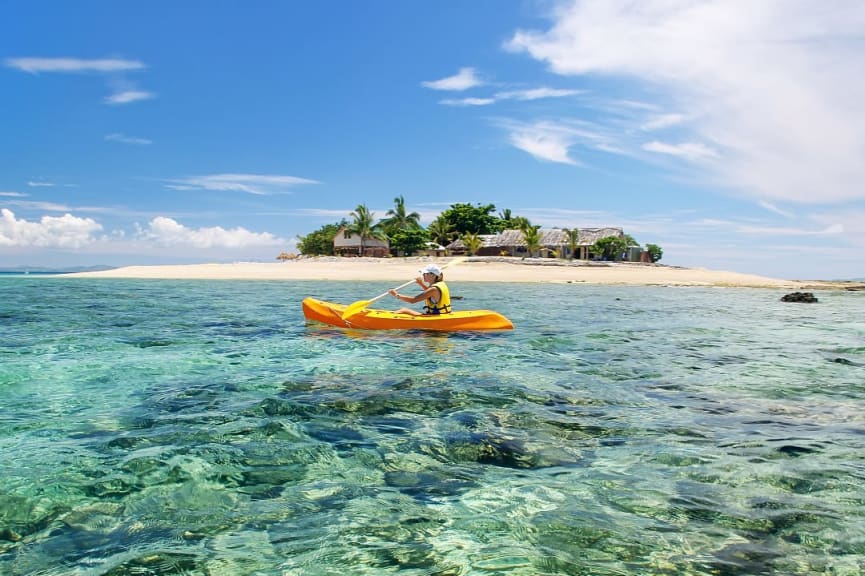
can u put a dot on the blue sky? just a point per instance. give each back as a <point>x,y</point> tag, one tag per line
<point>731,133</point>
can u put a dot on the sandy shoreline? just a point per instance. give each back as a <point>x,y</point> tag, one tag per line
<point>474,269</point>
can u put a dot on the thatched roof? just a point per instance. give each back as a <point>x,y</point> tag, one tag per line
<point>487,241</point>
<point>589,236</point>
<point>548,237</point>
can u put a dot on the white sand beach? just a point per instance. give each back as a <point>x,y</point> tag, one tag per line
<point>473,269</point>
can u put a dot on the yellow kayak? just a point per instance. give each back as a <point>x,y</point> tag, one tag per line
<point>370,319</point>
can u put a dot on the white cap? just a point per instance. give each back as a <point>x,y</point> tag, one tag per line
<point>431,269</point>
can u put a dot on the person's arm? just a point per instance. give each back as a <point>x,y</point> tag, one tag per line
<point>431,291</point>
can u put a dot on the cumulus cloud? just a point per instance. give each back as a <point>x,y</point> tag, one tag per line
<point>65,231</point>
<point>168,232</point>
<point>73,65</point>
<point>773,88</point>
<point>463,80</point>
<point>260,184</point>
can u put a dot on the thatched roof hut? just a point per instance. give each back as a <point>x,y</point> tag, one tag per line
<point>553,241</point>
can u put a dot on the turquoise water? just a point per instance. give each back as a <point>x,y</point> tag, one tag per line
<point>202,428</point>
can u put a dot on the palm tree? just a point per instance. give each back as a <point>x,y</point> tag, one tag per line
<point>573,239</point>
<point>441,231</point>
<point>505,216</point>
<point>473,242</point>
<point>532,237</point>
<point>363,226</point>
<point>519,223</point>
<point>399,219</point>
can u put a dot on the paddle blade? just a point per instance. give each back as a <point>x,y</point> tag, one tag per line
<point>354,308</point>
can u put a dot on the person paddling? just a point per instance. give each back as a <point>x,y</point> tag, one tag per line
<point>435,295</point>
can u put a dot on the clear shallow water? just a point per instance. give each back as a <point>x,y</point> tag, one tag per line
<point>167,427</point>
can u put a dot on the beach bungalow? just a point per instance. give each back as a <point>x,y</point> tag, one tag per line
<point>347,244</point>
<point>553,241</point>
<point>489,246</point>
<point>588,237</point>
<point>432,249</point>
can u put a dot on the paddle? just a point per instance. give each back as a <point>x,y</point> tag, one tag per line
<point>355,307</point>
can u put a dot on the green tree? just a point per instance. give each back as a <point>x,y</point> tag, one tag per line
<point>320,242</point>
<point>362,225</point>
<point>655,252</point>
<point>408,241</point>
<point>441,231</point>
<point>573,239</point>
<point>472,242</point>
<point>475,219</point>
<point>399,218</point>
<point>610,247</point>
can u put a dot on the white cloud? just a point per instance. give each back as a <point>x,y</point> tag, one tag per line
<point>468,101</point>
<point>44,206</point>
<point>463,80</point>
<point>261,184</point>
<point>40,183</point>
<point>553,141</point>
<point>128,97</point>
<point>122,91</point>
<point>690,150</point>
<point>544,141</point>
<point>117,137</point>
<point>73,65</point>
<point>851,222</point>
<point>774,88</point>
<point>168,232</point>
<point>831,230</point>
<point>65,231</point>
<point>773,208</point>
<point>528,94</point>
<point>536,94</point>
<point>662,121</point>
<point>13,194</point>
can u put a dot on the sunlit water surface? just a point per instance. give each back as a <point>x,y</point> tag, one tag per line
<point>203,428</point>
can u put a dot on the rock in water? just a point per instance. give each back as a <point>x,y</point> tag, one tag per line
<point>799,297</point>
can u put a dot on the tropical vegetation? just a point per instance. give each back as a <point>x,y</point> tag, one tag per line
<point>468,222</point>
<point>655,252</point>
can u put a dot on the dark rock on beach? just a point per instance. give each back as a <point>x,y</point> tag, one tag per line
<point>807,297</point>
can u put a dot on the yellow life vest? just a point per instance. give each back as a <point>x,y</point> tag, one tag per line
<point>443,306</point>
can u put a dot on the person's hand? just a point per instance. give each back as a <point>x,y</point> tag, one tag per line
<point>393,293</point>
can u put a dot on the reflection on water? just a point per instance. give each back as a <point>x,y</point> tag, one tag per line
<point>205,428</point>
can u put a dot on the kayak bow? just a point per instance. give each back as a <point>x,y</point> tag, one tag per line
<point>330,313</point>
